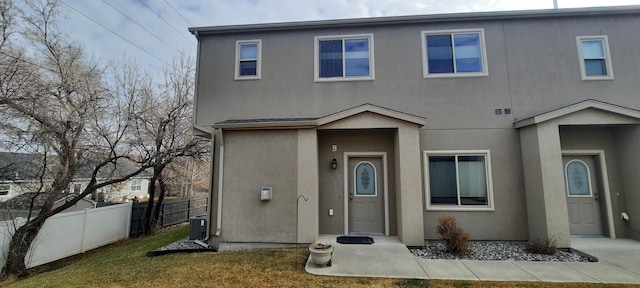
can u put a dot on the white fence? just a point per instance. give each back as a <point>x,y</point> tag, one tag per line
<point>70,233</point>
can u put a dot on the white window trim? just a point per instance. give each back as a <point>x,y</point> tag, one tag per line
<point>132,185</point>
<point>316,58</point>
<point>607,55</point>
<point>8,188</point>
<point>375,183</point>
<point>425,59</point>
<point>485,153</point>
<point>566,177</point>
<point>258,61</point>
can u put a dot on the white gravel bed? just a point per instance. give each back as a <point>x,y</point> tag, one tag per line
<point>495,250</point>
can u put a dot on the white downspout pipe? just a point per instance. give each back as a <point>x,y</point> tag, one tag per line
<point>220,186</point>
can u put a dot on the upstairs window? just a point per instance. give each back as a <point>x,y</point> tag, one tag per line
<point>248,55</point>
<point>340,58</point>
<point>595,62</point>
<point>454,53</point>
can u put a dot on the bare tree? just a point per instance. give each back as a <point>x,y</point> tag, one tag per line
<point>163,119</point>
<point>59,108</point>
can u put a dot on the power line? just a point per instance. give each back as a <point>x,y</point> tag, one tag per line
<point>165,21</point>
<point>177,12</point>
<point>145,29</point>
<point>115,33</point>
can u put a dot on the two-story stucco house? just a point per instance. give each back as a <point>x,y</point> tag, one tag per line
<point>513,122</point>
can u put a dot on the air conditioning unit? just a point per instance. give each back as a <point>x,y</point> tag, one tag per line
<point>198,228</point>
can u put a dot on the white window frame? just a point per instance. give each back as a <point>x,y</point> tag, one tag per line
<point>316,60</point>
<point>375,182</point>
<point>7,190</point>
<point>486,154</point>
<point>607,55</point>
<point>258,75</point>
<point>425,58</point>
<point>566,179</point>
<point>134,184</point>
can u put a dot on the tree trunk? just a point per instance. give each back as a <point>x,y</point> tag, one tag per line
<point>163,187</point>
<point>19,247</point>
<point>148,221</point>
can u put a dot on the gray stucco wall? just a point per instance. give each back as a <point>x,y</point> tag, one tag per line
<point>533,67</point>
<point>509,220</point>
<point>629,141</point>
<point>254,159</point>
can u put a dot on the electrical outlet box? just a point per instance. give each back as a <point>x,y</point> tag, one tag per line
<point>266,193</point>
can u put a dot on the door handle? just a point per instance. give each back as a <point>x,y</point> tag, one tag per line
<point>350,196</point>
<point>595,196</point>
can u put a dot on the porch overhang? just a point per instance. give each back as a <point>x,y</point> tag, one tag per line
<point>632,115</point>
<point>303,123</point>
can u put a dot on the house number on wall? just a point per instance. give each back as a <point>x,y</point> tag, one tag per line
<point>334,148</point>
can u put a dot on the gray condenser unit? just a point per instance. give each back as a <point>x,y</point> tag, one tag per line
<point>198,228</point>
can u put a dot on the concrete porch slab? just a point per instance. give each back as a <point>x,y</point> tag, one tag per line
<point>387,258</point>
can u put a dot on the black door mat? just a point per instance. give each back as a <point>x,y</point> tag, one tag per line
<point>354,240</point>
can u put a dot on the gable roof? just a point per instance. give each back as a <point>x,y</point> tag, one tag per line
<point>297,123</point>
<point>432,18</point>
<point>587,104</point>
<point>21,166</point>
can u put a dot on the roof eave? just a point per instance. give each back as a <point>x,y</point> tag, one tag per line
<point>473,16</point>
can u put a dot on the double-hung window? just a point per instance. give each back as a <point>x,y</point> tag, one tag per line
<point>454,53</point>
<point>340,58</point>
<point>458,180</point>
<point>136,185</point>
<point>248,57</point>
<point>595,61</point>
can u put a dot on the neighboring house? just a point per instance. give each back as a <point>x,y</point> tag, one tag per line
<point>513,122</point>
<point>20,205</point>
<point>20,173</point>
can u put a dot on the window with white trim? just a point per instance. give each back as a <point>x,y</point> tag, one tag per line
<point>4,189</point>
<point>458,180</point>
<point>340,58</point>
<point>136,185</point>
<point>454,53</point>
<point>595,61</point>
<point>248,59</point>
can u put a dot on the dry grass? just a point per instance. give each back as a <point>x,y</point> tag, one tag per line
<point>125,265</point>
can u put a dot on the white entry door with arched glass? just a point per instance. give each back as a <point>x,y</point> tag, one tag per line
<point>583,199</point>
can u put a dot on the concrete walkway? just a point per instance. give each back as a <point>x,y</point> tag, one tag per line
<point>388,257</point>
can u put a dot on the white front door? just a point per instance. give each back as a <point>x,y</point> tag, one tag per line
<point>583,199</point>
<point>366,196</point>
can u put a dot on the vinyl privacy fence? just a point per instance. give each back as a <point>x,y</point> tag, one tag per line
<point>71,233</point>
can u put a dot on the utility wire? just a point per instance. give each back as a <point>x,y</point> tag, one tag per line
<point>178,12</point>
<point>145,29</point>
<point>115,33</point>
<point>165,21</point>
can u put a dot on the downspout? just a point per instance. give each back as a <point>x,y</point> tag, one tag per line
<point>220,179</point>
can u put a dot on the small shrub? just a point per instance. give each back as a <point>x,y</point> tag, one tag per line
<point>542,245</point>
<point>454,238</point>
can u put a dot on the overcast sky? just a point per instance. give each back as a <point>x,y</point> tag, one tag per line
<point>152,31</point>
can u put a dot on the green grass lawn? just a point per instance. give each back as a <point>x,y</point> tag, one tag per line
<point>124,264</point>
